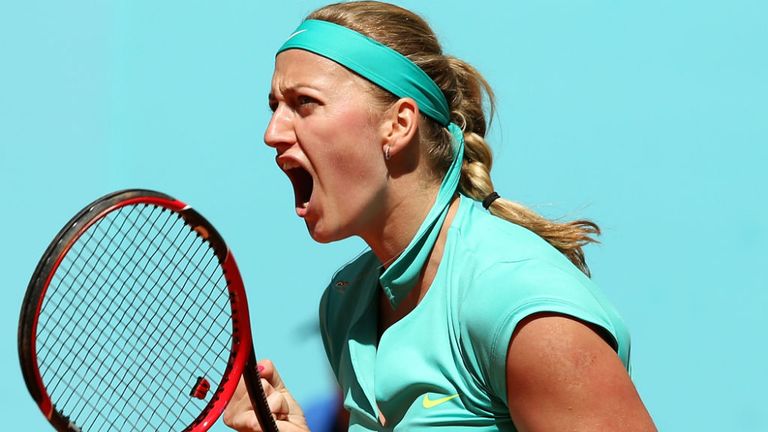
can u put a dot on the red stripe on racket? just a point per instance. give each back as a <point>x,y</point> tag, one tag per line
<point>136,318</point>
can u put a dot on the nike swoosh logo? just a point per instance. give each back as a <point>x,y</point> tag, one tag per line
<point>431,403</point>
<point>295,33</point>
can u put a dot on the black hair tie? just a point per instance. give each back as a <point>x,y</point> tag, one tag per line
<point>490,199</point>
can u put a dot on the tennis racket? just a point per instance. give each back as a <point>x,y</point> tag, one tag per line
<point>136,319</point>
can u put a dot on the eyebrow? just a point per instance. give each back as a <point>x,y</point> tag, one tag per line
<point>292,89</point>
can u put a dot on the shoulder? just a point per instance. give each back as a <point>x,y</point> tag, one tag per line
<point>501,255</point>
<point>507,273</point>
<point>490,239</point>
<point>514,272</point>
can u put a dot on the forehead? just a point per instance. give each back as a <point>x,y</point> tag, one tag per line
<point>296,67</point>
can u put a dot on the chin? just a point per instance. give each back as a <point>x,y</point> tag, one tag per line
<point>318,234</point>
<point>322,235</point>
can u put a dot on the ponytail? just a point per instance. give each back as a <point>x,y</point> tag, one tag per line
<point>568,237</point>
<point>466,91</point>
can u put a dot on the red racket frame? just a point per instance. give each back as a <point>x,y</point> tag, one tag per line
<point>242,344</point>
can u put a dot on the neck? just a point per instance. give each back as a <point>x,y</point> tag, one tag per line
<point>408,204</point>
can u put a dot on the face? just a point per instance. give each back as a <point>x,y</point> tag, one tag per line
<point>329,143</point>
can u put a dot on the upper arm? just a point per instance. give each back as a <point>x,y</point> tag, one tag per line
<point>561,375</point>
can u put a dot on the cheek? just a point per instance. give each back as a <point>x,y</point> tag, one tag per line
<point>354,152</point>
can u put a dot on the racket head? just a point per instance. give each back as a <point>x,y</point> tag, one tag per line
<point>75,367</point>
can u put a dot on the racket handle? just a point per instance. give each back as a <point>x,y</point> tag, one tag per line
<point>257,396</point>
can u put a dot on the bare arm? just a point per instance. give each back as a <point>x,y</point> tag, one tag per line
<point>561,375</point>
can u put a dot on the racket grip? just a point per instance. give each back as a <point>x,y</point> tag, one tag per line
<point>257,396</point>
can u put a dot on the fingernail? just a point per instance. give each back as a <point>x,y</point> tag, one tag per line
<point>260,368</point>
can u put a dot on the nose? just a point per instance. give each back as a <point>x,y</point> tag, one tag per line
<point>280,132</point>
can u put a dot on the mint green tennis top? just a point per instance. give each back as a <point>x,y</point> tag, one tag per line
<point>443,364</point>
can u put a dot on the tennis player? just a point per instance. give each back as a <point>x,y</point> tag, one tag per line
<point>469,310</point>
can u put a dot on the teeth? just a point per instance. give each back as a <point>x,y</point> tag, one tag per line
<point>288,165</point>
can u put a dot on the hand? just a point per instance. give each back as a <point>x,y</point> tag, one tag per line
<point>240,414</point>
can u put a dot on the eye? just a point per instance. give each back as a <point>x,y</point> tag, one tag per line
<point>305,100</point>
<point>305,105</point>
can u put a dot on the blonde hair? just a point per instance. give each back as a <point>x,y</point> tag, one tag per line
<point>464,88</point>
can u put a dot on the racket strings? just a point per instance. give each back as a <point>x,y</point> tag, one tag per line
<point>46,315</point>
<point>132,279</point>
<point>53,295</point>
<point>147,366</point>
<point>155,343</point>
<point>80,356</point>
<point>154,286</point>
<point>93,281</point>
<point>90,344</point>
<point>44,361</point>
<point>57,295</point>
<point>169,324</point>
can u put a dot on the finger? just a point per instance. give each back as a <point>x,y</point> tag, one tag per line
<point>244,422</point>
<point>235,407</point>
<point>278,405</point>
<point>240,390</point>
<point>268,371</point>
<point>268,388</point>
<point>239,403</point>
<point>240,395</point>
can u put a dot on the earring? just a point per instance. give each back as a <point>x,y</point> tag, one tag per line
<point>386,152</point>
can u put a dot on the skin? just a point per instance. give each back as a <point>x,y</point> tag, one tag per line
<point>322,119</point>
<point>561,375</point>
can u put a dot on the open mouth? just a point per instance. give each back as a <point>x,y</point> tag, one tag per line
<point>303,184</point>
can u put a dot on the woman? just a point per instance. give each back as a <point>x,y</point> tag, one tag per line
<point>468,310</point>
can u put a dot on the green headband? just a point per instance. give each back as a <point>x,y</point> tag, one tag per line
<point>374,61</point>
<point>397,74</point>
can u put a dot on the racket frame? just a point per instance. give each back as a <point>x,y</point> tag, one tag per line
<point>244,359</point>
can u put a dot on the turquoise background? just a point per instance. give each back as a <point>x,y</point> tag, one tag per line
<point>648,117</point>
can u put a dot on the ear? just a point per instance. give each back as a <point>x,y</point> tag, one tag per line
<point>400,124</point>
